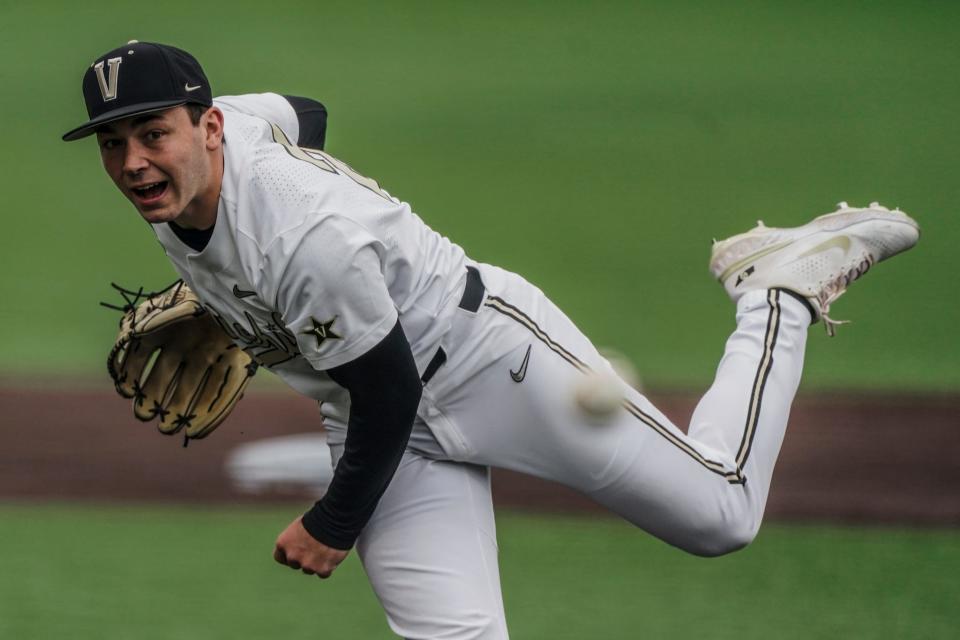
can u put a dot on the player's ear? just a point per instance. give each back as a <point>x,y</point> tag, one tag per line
<point>212,124</point>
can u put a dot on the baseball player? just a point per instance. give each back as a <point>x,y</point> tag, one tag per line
<point>430,367</point>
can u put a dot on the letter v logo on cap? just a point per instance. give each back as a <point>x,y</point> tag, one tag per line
<point>108,89</point>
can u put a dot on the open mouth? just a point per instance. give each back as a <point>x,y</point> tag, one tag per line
<point>150,192</point>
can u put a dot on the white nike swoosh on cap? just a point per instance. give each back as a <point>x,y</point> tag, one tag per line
<point>189,88</point>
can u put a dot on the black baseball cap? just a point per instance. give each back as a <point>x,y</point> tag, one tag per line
<point>136,78</point>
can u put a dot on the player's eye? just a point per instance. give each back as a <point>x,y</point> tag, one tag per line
<point>109,143</point>
<point>154,134</point>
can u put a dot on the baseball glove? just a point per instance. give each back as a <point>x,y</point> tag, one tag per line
<point>176,362</point>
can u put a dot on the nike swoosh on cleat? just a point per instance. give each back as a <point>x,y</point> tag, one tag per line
<point>521,373</point>
<point>240,293</point>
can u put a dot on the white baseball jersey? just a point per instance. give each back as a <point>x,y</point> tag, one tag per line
<point>310,265</point>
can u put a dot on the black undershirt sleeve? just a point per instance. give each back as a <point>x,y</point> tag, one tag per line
<point>384,391</point>
<point>312,117</point>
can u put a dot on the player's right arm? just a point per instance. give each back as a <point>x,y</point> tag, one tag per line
<point>384,389</point>
<point>332,296</point>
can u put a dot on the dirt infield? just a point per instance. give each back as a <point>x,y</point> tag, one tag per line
<point>861,458</point>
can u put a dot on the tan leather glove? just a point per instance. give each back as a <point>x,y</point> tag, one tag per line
<point>176,362</point>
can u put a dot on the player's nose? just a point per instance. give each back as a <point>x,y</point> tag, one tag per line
<point>134,158</point>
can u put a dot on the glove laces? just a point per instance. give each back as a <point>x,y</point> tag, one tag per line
<point>132,298</point>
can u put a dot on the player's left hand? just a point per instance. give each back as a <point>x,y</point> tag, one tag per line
<point>176,361</point>
<point>297,549</point>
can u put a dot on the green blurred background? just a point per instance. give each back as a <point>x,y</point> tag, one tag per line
<point>594,147</point>
<point>794,583</point>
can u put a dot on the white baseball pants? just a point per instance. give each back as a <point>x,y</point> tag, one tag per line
<point>430,549</point>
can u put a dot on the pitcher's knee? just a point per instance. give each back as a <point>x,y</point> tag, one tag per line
<point>720,537</point>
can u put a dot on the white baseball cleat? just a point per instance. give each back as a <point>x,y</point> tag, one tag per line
<point>818,260</point>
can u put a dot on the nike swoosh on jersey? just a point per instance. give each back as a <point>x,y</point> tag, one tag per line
<point>189,88</point>
<point>521,373</point>
<point>240,293</point>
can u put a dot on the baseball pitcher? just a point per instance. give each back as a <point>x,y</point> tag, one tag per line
<point>429,367</point>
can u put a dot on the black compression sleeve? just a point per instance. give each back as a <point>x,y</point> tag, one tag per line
<point>384,393</point>
<point>312,117</point>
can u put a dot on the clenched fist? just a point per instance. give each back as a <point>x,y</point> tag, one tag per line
<point>299,550</point>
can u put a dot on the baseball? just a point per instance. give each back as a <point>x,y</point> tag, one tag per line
<point>599,395</point>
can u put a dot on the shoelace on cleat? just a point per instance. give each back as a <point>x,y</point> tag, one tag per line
<point>836,288</point>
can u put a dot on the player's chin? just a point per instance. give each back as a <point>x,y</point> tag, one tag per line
<point>155,212</point>
<point>157,215</point>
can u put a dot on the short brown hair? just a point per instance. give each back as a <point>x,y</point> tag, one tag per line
<point>196,111</point>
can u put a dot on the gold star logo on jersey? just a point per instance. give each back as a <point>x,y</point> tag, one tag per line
<point>322,331</point>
